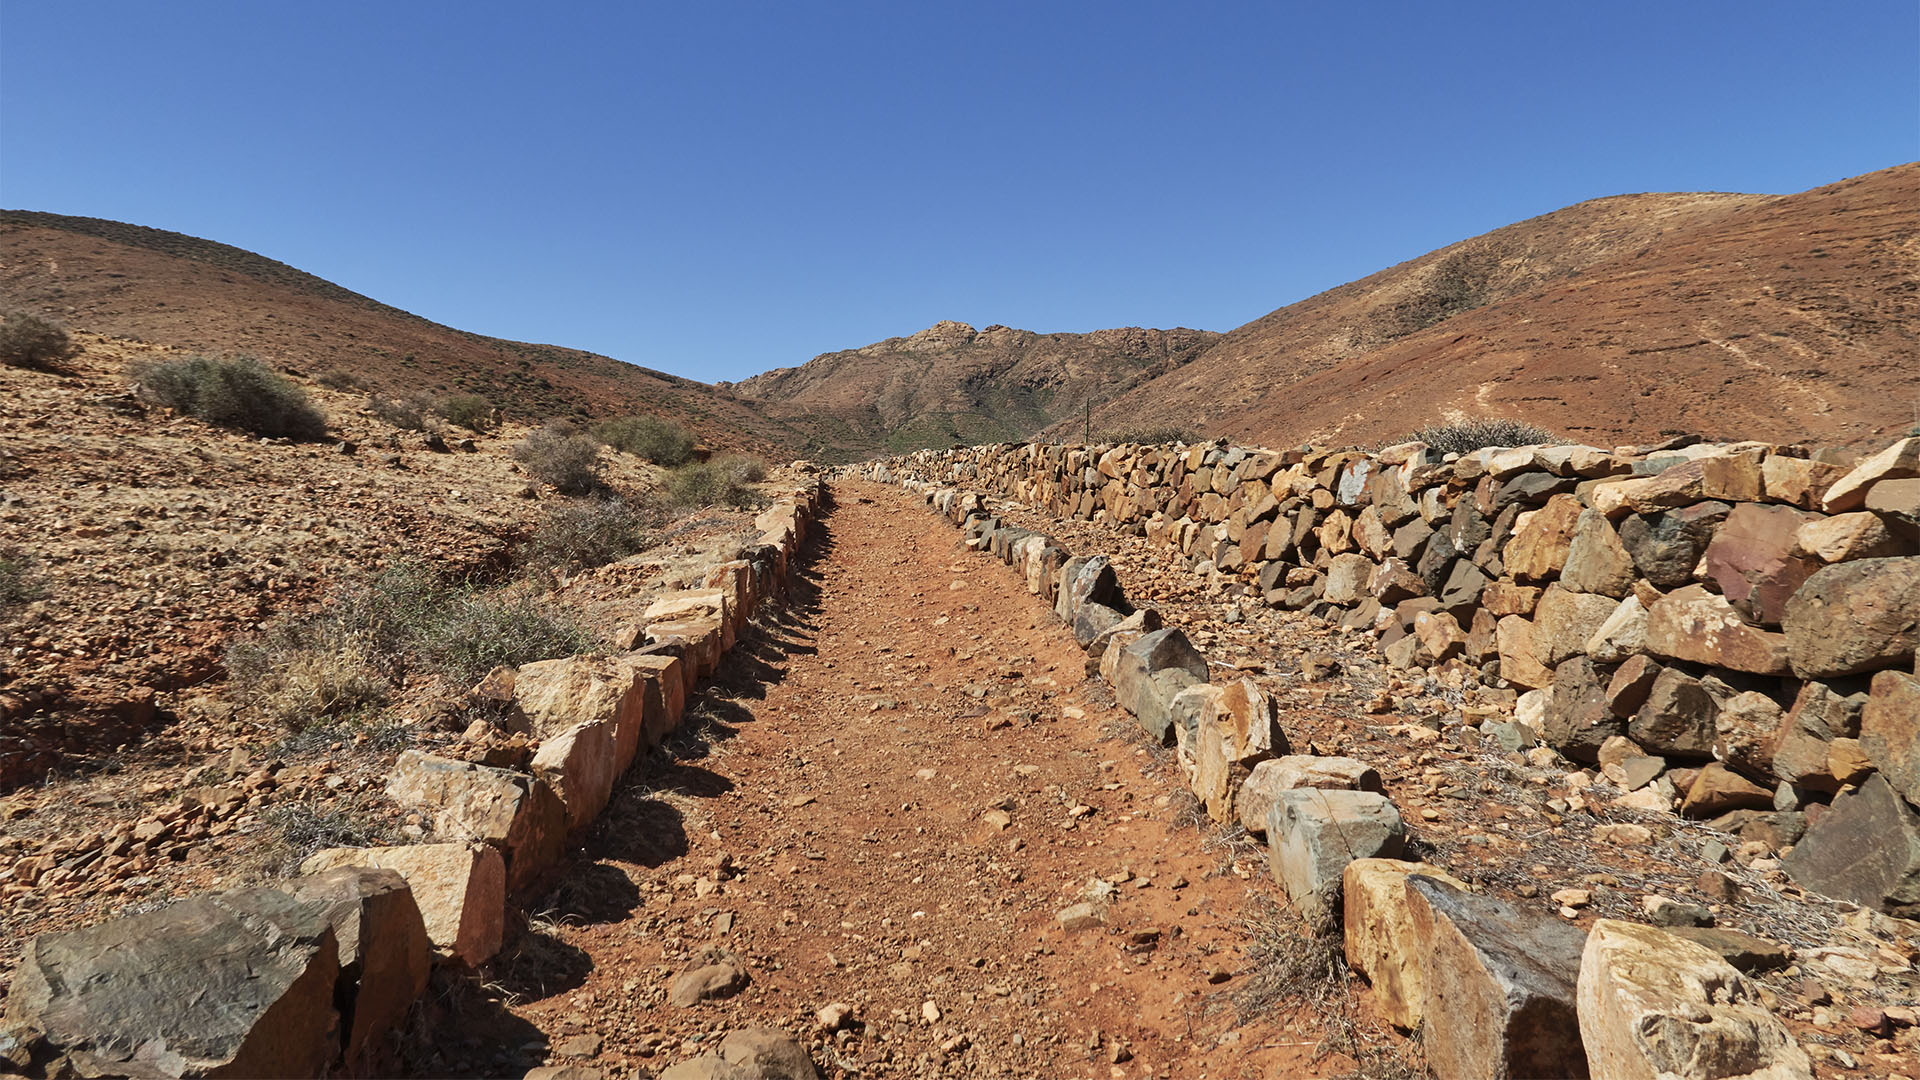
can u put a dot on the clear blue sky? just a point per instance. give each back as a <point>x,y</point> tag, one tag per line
<point>715,189</point>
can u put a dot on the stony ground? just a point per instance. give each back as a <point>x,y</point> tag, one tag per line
<point>885,804</point>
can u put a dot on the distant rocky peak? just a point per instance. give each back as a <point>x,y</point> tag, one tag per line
<point>941,335</point>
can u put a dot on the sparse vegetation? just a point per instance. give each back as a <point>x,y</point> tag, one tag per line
<point>233,392</point>
<point>658,440</point>
<point>723,481</point>
<point>1150,436</point>
<point>29,341</point>
<point>340,380</point>
<point>304,828</point>
<point>470,411</point>
<point>562,456</point>
<point>407,414</point>
<point>349,658</point>
<point>19,579</point>
<point>589,533</point>
<point>1467,436</point>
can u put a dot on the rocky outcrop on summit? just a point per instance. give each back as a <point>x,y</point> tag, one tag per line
<point>952,384</point>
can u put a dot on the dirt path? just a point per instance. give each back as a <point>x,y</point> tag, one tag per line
<point>884,801</point>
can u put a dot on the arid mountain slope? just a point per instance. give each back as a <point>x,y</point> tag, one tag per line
<point>175,290</point>
<point>1792,318</point>
<point>951,384</point>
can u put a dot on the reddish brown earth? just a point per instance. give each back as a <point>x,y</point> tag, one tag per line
<point>1791,318</point>
<point>840,767</point>
<point>179,291</point>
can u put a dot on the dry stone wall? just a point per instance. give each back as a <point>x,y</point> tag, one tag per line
<point>1728,630</point>
<point>308,978</point>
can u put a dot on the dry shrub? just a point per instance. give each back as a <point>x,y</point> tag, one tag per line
<point>407,414</point>
<point>723,481</point>
<point>589,533</point>
<point>658,440</point>
<point>29,341</point>
<point>470,411</point>
<point>1470,435</point>
<point>20,579</point>
<point>234,392</point>
<point>561,456</point>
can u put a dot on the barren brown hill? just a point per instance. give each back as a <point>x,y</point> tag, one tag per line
<point>952,384</point>
<point>1791,318</point>
<point>175,290</point>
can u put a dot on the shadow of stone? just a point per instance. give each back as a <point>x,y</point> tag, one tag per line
<point>538,965</point>
<point>462,1027</point>
<point>591,892</point>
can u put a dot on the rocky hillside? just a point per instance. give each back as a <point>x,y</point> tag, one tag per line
<point>952,384</point>
<point>1790,317</point>
<point>173,290</point>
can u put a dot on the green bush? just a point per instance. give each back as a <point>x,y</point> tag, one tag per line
<point>660,441</point>
<point>1470,435</point>
<point>560,455</point>
<point>234,392</point>
<point>470,411</point>
<point>29,341</point>
<point>349,657</point>
<point>593,532</point>
<point>722,481</point>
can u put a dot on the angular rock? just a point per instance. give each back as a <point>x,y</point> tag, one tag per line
<point>1380,942</point>
<point>1821,713</point>
<point>1694,624</point>
<point>1854,617</point>
<point>1666,547</point>
<point>1084,579</point>
<point>1846,537</point>
<point>1440,637</point>
<point>1505,981</point>
<point>1677,717</point>
<point>1630,685</point>
<point>383,955</point>
<point>461,890</point>
<point>749,1054</point>
<point>1268,778</point>
<point>1718,790</point>
<point>1519,664</point>
<point>1565,621</point>
<point>702,642</point>
<point>723,977</point>
<point>1235,732</point>
<point>1597,562</point>
<point>1746,731</point>
<point>1753,562</point>
<point>558,694</point>
<point>579,764</point>
<point>1093,619</point>
<point>1577,721</point>
<point>1144,621</point>
<point>1348,578</point>
<point>1655,1005</point>
<point>1623,634</point>
<point>1898,461</point>
<point>665,681</point>
<point>1745,952</point>
<point>1313,833</point>
<point>1542,539</point>
<point>1800,482</point>
<point>1149,671</point>
<point>517,813</point>
<point>223,984</point>
<point>1890,731</point>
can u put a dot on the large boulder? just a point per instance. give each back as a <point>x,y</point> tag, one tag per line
<point>1697,625</point>
<point>1822,712</point>
<point>1850,492</point>
<point>1854,617</point>
<point>1504,980</point>
<point>1597,562</point>
<point>1564,621</point>
<point>1313,833</point>
<point>580,764</point>
<point>1865,850</point>
<point>1654,1005</point>
<point>517,813</point>
<point>1268,778</point>
<point>1667,546</point>
<point>1150,670</point>
<point>1677,717</point>
<point>1578,719</point>
<point>461,890</point>
<point>663,689</point>
<point>1753,559</point>
<point>1087,579</point>
<point>1235,731</point>
<point>384,954</point>
<point>223,984</point>
<point>1380,942</point>
<point>559,694</point>
<point>1542,540</point>
<point>1349,577</point>
<point>1890,731</point>
<point>1519,661</point>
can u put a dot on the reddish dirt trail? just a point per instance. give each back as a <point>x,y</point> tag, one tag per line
<point>844,766</point>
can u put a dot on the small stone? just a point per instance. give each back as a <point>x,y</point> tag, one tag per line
<point>930,1012</point>
<point>1081,916</point>
<point>1573,898</point>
